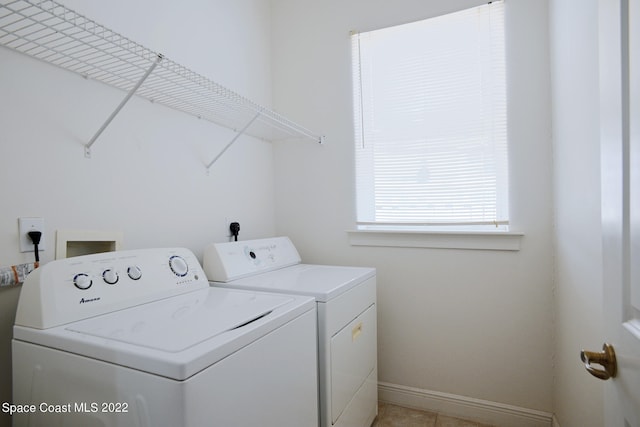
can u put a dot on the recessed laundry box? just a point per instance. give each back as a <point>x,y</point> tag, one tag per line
<point>346,306</point>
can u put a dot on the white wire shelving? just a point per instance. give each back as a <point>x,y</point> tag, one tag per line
<point>47,30</point>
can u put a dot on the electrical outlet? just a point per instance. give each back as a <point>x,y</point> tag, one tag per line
<point>25,225</point>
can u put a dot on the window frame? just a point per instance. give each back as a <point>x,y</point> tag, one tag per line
<point>496,237</point>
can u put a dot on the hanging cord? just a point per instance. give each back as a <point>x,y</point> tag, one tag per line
<point>35,238</point>
<point>15,274</point>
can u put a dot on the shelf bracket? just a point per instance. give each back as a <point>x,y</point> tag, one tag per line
<point>237,135</point>
<point>87,147</point>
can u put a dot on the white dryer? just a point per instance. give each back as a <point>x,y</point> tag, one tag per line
<point>139,338</point>
<point>347,331</point>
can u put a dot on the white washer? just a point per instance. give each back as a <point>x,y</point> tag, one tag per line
<point>139,338</point>
<point>346,300</point>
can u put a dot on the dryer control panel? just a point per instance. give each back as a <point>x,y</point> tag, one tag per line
<point>223,262</point>
<point>77,288</point>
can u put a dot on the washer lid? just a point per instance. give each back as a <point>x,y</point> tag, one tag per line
<point>176,324</point>
<point>176,337</point>
<point>324,282</point>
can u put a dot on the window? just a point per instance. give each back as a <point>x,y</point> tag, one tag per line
<point>430,123</point>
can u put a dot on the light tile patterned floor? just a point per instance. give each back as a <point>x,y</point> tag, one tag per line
<point>396,416</point>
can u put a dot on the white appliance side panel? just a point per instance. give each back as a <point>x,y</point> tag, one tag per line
<point>353,359</point>
<point>273,382</point>
<point>51,379</point>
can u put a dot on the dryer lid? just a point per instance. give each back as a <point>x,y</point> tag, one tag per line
<point>323,282</point>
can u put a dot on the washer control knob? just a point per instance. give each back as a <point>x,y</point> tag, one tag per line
<point>178,266</point>
<point>82,281</point>
<point>110,276</point>
<point>134,272</point>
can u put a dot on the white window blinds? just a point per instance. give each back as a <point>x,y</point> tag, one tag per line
<point>430,122</point>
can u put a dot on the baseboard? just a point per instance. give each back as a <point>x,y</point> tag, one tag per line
<point>483,411</point>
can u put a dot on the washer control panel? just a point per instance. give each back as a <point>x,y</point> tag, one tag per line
<point>111,275</point>
<point>72,289</point>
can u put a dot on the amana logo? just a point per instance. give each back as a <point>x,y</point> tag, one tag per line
<point>82,301</point>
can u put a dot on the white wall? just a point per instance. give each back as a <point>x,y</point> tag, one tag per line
<point>147,175</point>
<point>470,323</point>
<point>579,287</point>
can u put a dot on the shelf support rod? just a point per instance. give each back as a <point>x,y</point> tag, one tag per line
<point>87,147</point>
<point>237,135</point>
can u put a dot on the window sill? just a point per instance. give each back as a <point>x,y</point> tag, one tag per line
<point>479,240</point>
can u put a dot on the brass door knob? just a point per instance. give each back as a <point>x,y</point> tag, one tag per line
<point>606,358</point>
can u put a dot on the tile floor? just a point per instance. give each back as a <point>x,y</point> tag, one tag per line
<point>396,416</point>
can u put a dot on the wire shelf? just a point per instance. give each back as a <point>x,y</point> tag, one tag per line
<point>49,31</point>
